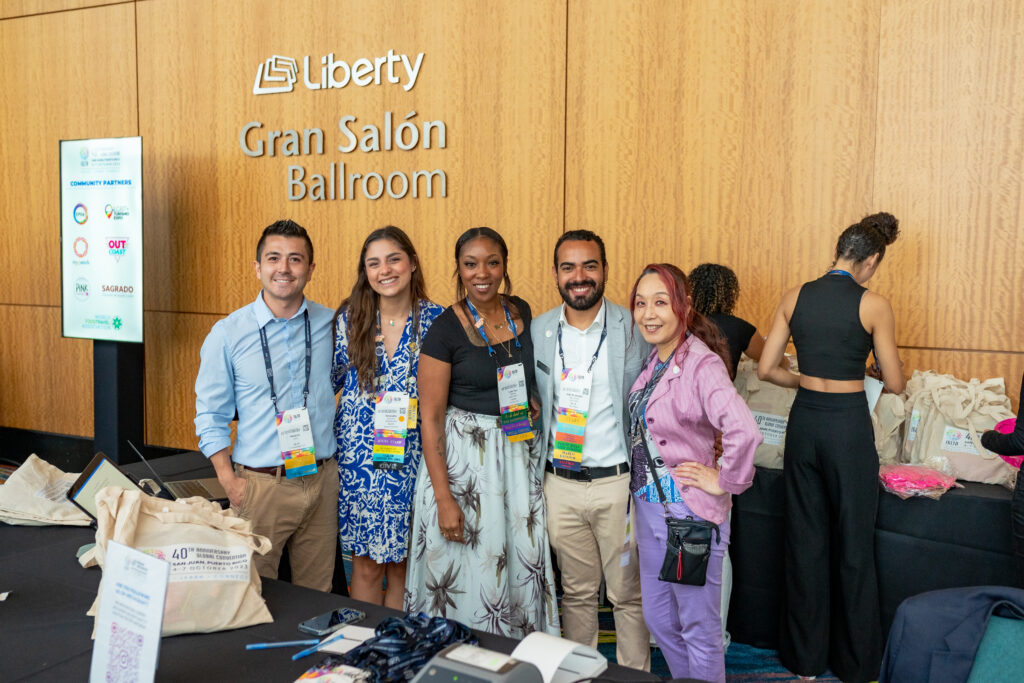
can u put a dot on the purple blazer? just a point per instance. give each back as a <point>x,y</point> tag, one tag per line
<point>693,400</point>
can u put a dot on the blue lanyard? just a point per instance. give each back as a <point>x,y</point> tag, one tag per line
<point>480,328</point>
<point>270,368</point>
<point>604,333</point>
<point>841,272</point>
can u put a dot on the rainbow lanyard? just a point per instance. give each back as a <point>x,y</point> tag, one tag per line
<point>573,408</point>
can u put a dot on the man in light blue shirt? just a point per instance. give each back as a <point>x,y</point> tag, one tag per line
<point>270,356</point>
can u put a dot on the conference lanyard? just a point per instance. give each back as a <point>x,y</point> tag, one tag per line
<point>573,408</point>
<point>270,368</point>
<point>413,346</point>
<point>479,324</point>
<point>513,396</point>
<point>394,412</point>
<point>836,271</point>
<point>604,334</point>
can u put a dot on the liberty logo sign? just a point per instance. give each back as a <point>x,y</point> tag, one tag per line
<point>279,74</point>
<point>279,71</point>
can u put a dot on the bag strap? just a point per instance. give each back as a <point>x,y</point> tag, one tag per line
<point>664,501</point>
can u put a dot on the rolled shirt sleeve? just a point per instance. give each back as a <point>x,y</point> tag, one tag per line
<point>215,393</point>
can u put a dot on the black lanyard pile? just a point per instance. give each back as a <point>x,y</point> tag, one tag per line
<point>270,368</point>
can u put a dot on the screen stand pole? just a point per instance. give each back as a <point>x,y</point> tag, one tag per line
<point>118,415</point>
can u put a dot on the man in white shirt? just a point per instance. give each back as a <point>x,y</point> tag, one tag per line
<point>588,347</point>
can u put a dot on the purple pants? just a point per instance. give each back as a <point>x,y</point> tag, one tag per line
<point>685,621</point>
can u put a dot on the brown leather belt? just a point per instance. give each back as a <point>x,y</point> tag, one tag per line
<point>274,470</point>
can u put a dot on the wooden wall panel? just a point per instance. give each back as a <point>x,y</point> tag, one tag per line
<point>45,380</point>
<point>493,72</point>
<point>950,165</point>
<point>737,132</point>
<point>172,363</point>
<point>66,75</point>
<point>20,8</point>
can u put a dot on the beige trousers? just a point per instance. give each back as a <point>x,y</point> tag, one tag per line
<point>302,512</point>
<point>587,529</point>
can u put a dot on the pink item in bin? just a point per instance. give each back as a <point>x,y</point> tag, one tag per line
<point>1006,427</point>
<point>914,480</point>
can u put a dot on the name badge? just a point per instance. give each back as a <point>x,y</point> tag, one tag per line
<point>295,439</point>
<point>573,406</point>
<point>390,429</point>
<point>514,402</point>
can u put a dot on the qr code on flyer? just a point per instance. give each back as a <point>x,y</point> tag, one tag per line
<point>123,650</point>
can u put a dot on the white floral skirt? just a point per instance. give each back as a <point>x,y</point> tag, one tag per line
<point>500,580</point>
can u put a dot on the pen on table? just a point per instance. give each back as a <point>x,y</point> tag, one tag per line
<point>311,650</point>
<point>287,643</point>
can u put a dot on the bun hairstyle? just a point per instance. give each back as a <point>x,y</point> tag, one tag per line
<point>869,237</point>
<point>715,289</point>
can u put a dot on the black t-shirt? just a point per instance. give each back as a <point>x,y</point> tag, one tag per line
<point>474,379</point>
<point>738,333</point>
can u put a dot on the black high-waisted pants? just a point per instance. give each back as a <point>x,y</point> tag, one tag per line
<point>830,614</point>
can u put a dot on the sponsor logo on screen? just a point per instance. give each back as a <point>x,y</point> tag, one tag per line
<point>117,246</point>
<point>81,288</point>
<point>81,214</point>
<point>81,247</point>
<point>117,213</point>
<point>117,290</point>
<point>279,74</point>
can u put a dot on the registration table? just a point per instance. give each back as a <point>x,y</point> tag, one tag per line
<point>45,633</point>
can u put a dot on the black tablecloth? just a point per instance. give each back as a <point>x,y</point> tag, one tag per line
<point>46,635</point>
<point>962,539</point>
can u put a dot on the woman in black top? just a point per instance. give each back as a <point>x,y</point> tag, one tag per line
<point>479,545</point>
<point>715,291</point>
<point>830,609</point>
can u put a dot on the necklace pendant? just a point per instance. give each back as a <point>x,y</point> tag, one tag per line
<point>391,322</point>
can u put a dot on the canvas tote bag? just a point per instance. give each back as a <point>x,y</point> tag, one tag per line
<point>769,404</point>
<point>213,582</point>
<point>36,495</point>
<point>945,415</point>
<point>887,421</point>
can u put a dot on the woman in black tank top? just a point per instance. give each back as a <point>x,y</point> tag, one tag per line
<point>830,609</point>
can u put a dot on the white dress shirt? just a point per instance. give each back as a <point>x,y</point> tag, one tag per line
<point>603,443</point>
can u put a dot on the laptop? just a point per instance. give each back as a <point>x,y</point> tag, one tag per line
<point>99,474</point>
<point>208,487</point>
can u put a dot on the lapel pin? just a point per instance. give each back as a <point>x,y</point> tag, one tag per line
<point>547,333</point>
<point>675,369</point>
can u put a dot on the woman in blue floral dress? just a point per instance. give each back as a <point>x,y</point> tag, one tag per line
<point>378,332</point>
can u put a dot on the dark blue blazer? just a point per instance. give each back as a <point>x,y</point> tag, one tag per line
<point>935,635</point>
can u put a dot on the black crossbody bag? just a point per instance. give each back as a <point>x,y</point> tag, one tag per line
<point>688,547</point>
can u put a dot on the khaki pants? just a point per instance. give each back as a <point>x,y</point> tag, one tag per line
<point>587,529</point>
<point>302,512</point>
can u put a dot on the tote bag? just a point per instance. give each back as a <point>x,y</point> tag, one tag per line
<point>213,582</point>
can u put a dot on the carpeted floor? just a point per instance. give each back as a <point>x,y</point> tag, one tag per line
<point>743,663</point>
